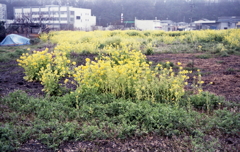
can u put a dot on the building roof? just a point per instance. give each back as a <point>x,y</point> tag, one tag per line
<point>205,22</point>
<point>128,22</point>
<point>229,19</point>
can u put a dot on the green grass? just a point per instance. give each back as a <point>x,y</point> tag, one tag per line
<point>204,56</point>
<point>210,49</point>
<point>14,52</point>
<point>11,53</point>
<point>53,120</point>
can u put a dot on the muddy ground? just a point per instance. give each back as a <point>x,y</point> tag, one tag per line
<point>224,72</point>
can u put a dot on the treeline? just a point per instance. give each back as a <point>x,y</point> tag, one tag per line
<point>109,11</point>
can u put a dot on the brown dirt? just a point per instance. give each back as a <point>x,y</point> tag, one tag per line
<point>149,143</point>
<point>224,72</point>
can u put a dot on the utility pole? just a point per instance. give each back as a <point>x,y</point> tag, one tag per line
<point>192,6</point>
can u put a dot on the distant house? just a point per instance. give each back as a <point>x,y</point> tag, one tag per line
<point>182,26</point>
<point>204,24</point>
<point>148,24</point>
<point>58,17</point>
<point>228,22</point>
<point>238,25</point>
<point>168,25</point>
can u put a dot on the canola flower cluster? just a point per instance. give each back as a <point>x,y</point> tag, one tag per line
<point>233,38</point>
<point>33,63</point>
<point>122,70</point>
<point>125,73</point>
<point>47,67</point>
<point>96,41</point>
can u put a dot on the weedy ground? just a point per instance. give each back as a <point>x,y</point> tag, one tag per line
<point>31,120</point>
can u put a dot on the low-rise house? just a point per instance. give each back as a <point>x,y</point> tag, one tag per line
<point>238,25</point>
<point>168,25</point>
<point>204,24</point>
<point>182,26</point>
<point>228,22</point>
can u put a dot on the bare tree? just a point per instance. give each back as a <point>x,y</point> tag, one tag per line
<point>26,25</point>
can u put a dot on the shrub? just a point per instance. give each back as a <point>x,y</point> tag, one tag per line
<point>206,101</point>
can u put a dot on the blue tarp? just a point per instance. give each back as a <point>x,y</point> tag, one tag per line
<point>14,39</point>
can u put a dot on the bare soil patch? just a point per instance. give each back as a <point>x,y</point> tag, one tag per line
<point>223,72</point>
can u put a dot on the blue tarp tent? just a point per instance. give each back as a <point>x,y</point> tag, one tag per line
<point>14,39</point>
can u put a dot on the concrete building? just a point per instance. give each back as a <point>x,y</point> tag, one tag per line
<point>228,22</point>
<point>3,12</point>
<point>58,17</point>
<point>148,24</point>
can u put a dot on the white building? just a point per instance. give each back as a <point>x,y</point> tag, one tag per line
<point>58,17</point>
<point>3,12</point>
<point>148,24</point>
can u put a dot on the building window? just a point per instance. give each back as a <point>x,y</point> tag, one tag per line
<point>44,13</point>
<point>72,12</point>
<point>78,17</point>
<point>63,19</point>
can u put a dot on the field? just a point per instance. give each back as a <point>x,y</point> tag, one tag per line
<point>122,91</point>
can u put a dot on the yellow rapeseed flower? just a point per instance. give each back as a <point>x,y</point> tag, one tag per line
<point>66,81</point>
<point>74,63</point>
